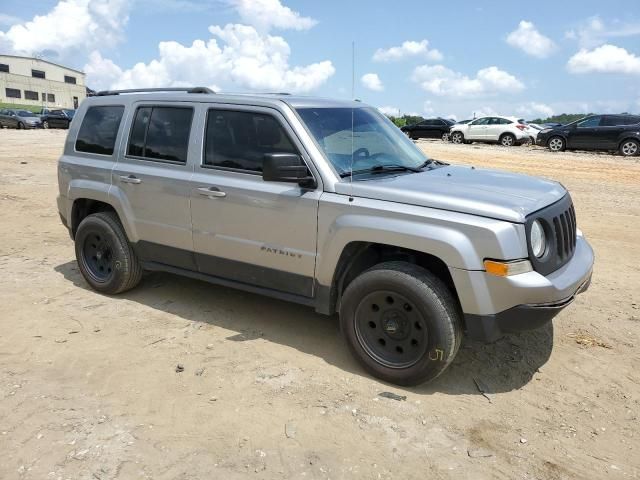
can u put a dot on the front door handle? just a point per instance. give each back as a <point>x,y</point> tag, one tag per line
<point>130,179</point>
<point>211,192</point>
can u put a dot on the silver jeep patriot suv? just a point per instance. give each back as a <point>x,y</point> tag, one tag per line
<point>320,202</point>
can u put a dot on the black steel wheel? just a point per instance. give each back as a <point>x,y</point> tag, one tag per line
<point>97,256</point>
<point>104,255</point>
<point>401,323</point>
<point>391,329</point>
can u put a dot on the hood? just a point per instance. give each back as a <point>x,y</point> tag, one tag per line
<point>465,189</point>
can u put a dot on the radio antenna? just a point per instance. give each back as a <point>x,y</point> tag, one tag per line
<point>353,97</point>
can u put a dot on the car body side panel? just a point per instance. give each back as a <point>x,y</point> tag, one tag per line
<point>459,240</point>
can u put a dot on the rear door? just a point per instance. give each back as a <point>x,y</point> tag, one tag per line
<point>586,134</point>
<point>494,129</point>
<point>613,126</point>
<point>153,177</point>
<point>422,129</point>
<point>245,229</point>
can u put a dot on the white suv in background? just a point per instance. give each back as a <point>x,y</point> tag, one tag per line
<point>507,131</point>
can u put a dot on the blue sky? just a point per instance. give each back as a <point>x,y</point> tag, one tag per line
<point>525,59</point>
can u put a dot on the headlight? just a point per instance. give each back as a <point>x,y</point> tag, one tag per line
<point>537,239</point>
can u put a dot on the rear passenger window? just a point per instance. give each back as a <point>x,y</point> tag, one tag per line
<point>239,140</point>
<point>99,129</point>
<point>161,133</point>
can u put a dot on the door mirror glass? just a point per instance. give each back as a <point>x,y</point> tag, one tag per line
<point>286,167</point>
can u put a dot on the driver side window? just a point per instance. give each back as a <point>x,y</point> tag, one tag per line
<point>589,122</point>
<point>239,140</point>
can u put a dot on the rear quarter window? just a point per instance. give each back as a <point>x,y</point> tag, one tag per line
<point>99,129</point>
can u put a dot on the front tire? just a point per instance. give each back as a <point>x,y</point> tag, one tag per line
<point>457,138</point>
<point>21,126</point>
<point>507,140</point>
<point>557,144</point>
<point>630,148</point>
<point>105,257</point>
<point>45,124</point>
<point>445,137</point>
<point>401,323</point>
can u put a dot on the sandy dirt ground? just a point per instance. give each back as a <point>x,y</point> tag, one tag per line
<point>89,387</point>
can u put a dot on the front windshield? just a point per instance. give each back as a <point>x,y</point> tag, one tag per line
<point>362,136</point>
<point>24,113</point>
<point>70,113</point>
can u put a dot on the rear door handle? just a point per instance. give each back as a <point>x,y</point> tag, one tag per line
<point>211,192</point>
<point>130,179</point>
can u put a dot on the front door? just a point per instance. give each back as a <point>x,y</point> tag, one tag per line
<point>478,129</point>
<point>153,176</point>
<point>245,229</point>
<point>585,134</point>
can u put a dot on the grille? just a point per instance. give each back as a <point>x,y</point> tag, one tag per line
<point>559,223</point>
<point>564,226</point>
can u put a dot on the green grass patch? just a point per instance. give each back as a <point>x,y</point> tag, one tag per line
<point>16,106</point>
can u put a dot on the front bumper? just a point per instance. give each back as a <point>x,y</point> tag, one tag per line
<point>495,305</point>
<point>521,318</point>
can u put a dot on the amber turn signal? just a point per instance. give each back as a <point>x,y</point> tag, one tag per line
<point>506,269</point>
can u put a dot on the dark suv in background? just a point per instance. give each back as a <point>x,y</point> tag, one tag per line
<point>619,133</point>
<point>429,128</point>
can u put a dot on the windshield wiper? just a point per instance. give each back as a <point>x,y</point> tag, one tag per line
<point>382,169</point>
<point>387,168</point>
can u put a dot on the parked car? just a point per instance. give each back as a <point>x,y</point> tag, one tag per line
<point>619,133</point>
<point>507,131</point>
<point>57,118</point>
<point>19,119</point>
<point>533,129</point>
<point>275,194</point>
<point>429,128</point>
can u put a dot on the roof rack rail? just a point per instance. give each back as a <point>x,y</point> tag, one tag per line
<point>105,93</point>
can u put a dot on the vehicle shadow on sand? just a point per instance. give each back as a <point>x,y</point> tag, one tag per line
<point>503,366</point>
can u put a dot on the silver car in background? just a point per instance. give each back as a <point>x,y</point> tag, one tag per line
<point>20,119</point>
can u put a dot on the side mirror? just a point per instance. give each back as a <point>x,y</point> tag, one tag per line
<point>286,167</point>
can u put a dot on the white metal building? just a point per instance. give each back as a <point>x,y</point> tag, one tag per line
<point>31,81</point>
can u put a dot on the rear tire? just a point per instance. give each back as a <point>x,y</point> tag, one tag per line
<point>557,144</point>
<point>105,257</point>
<point>45,124</point>
<point>629,148</point>
<point>401,323</point>
<point>20,126</point>
<point>507,140</point>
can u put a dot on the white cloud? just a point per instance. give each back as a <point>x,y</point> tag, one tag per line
<point>268,14</point>
<point>594,31</point>
<point>528,39</point>
<point>372,82</point>
<point>236,56</point>
<point>407,49</point>
<point>71,26</point>
<point>441,81</point>
<point>535,109</point>
<point>604,59</point>
<point>389,111</point>
<point>485,111</point>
